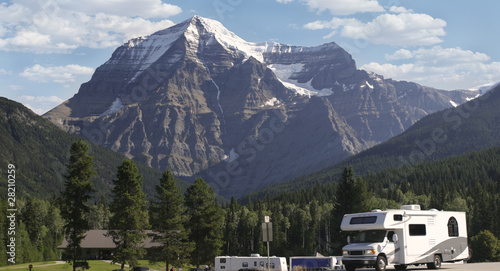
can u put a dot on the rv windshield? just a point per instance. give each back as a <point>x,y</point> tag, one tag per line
<point>373,236</point>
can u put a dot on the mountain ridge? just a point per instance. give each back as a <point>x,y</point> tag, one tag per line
<point>40,151</point>
<point>447,133</point>
<point>205,96</point>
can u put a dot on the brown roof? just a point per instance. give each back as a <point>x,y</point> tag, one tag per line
<point>98,239</point>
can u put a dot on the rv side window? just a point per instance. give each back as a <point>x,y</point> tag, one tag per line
<point>222,267</point>
<point>223,260</point>
<point>363,220</point>
<point>452,227</point>
<point>417,230</point>
<point>398,217</point>
<point>244,264</point>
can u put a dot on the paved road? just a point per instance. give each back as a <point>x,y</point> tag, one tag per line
<point>457,266</point>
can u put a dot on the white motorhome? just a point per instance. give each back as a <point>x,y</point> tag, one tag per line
<point>406,236</point>
<point>254,262</point>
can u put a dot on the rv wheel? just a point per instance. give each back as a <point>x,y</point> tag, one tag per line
<point>350,267</point>
<point>381,263</point>
<point>436,264</point>
<point>400,266</point>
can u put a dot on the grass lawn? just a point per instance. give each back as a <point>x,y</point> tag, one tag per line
<point>94,265</point>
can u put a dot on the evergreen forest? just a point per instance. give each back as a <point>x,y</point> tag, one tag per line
<point>305,221</point>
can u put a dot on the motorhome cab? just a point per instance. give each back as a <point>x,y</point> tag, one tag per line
<point>254,262</point>
<point>407,236</point>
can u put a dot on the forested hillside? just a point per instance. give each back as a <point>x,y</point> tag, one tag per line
<point>39,151</point>
<point>308,220</point>
<point>469,127</point>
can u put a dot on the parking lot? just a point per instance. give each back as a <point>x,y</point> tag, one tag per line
<point>458,266</point>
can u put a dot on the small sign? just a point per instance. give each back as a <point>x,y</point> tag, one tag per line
<point>267,232</point>
<point>266,219</point>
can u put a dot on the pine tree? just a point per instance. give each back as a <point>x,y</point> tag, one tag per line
<point>168,215</point>
<point>78,187</point>
<point>351,197</point>
<point>205,221</point>
<point>129,218</point>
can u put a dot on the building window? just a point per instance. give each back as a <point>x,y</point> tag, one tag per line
<point>417,230</point>
<point>452,227</point>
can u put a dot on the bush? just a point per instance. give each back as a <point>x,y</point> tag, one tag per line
<point>485,246</point>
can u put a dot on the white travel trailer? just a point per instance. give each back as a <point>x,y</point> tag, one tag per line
<point>406,236</point>
<point>254,262</point>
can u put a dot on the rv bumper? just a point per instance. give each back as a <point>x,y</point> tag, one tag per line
<point>369,261</point>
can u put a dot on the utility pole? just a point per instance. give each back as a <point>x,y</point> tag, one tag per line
<point>267,236</point>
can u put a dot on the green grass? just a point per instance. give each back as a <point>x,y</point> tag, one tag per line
<point>94,265</point>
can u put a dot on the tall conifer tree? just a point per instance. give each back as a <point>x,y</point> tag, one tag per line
<point>78,187</point>
<point>130,217</point>
<point>168,216</point>
<point>206,220</point>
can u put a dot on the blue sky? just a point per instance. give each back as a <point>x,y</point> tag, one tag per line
<point>48,48</point>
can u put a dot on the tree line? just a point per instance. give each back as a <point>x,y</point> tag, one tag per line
<point>194,228</point>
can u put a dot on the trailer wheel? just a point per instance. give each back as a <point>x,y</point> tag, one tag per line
<point>381,263</point>
<point>400,266</point>
<point>350,267</point>
<point>436,264</point>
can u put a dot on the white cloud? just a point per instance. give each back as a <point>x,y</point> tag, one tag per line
<point>284,1</point>
<point>60,27</point>
<point>39,104</point>
<point>57,74</point>
<point>403,29</point>
<point>400,10</point>
<point>344,7</point>
<point>446,68</point>
<point>125,8</point>
<point>438,56</point>
<point>4,72</point>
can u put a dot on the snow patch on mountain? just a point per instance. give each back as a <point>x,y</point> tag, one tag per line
<point>285,72</point>
<point>115,107</point>
<point>232,156</point>
<point>273,102</point>
<point>484,88</point>
<point>231,41</point>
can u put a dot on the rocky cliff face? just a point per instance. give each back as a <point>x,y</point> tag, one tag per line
<point>200,101</point>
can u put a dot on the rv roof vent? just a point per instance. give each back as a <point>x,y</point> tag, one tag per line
<point>410,207</point>
<point>254,255</point>
<point>376,210</point>
<point>433,209</point>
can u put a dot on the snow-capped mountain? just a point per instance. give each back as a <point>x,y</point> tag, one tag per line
<point>198,100</point>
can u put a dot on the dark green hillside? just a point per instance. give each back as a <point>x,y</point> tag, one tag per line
<point>39,150</point>
<point>470,127</point>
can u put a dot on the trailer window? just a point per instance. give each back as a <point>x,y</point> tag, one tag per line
<point>363,220</point>
<point>244,264</point>
<point>417,230</point>
<point>398,217</point>
<point>223,260</point>
<point>452,227</point>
